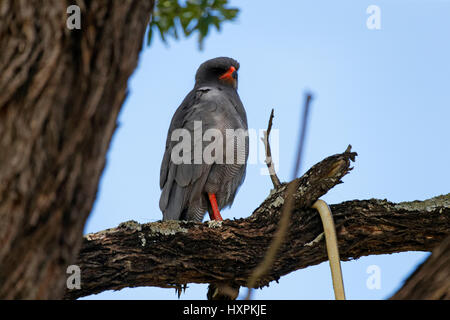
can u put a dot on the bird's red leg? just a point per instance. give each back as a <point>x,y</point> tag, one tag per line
<point>215,215</point>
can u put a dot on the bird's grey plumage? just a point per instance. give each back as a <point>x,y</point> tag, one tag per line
<point>185,186</point>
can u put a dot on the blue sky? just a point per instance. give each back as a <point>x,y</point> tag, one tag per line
<point>385,91</point>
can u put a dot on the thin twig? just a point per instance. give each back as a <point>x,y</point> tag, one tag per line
<point>303,130</point>
<point>270,165</point>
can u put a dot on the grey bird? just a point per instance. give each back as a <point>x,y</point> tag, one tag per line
<point>193,186</point>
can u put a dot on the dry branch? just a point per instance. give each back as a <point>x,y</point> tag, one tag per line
<point>269,161</point>
<point>176,253</point>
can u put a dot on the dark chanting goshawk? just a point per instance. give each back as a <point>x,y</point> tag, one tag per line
<point>191,188</point>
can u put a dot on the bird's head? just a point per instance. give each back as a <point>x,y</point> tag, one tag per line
<point>221,70</point>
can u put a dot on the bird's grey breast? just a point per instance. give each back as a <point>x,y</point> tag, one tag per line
<point>229,117</point>
<point>228,111</point>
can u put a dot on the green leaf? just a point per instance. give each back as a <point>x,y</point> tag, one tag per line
<point>190,16</point>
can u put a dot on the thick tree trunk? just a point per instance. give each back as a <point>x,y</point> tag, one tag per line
<point>431,280</point>
<point>60,94</point>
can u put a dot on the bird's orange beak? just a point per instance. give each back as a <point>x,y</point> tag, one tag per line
<point>230,75</point>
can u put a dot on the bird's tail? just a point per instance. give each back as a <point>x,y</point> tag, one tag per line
<point>172,202</point>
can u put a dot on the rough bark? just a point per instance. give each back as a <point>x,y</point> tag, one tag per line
<point>60,94</point>
<point>166,254</point>
<point>431,280</point>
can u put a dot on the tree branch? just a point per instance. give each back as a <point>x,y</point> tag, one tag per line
<point>431,280</point>
<point>176,253</point>
<point>270,165</point>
